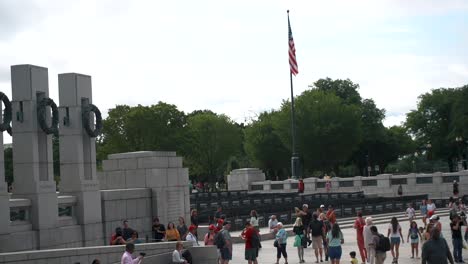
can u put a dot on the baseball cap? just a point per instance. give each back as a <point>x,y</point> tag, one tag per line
<point>434,217</point>
<point>305,205</point>
<point>322,206</point>
<point>211,227</point>
<point>192,227</point>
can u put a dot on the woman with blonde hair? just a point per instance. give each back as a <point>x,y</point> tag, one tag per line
<point>368,243</point>
<point>298,230</point>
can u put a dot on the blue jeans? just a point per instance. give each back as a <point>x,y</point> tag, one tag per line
<point>457,249</point>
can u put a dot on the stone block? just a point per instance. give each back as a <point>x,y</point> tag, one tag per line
<point>135,178</point>
<point>126,194</point>
<point>175,162</point>
<point>115,180</point>
<point>142,154</point>
<point>142,208</point>
<point>156,178</point>
<point>102,178</point>
<point>131,208</point>
<point>26,148</point>
<point>110,165</point>
<point>172,177</point>
<point>71,149</point>
<point>73,87</point>
<point>127,164</point>
<point>26,80</point>
<point>153,162</point>
<point>71,177</point>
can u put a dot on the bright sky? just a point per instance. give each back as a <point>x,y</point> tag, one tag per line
<point>232,56</point>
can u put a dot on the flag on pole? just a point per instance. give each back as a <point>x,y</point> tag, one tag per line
<point>292,51</point>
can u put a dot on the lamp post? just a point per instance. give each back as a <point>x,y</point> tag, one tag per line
<point>429,157</point>
<point>459,141</point>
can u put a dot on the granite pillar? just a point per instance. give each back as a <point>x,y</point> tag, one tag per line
<point>78,155</point>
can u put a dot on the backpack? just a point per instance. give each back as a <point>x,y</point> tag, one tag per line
<point>219,240</point>
<point>384,244</point>
<point>255,240</point>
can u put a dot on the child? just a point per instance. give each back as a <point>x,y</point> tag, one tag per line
<point>354,260</point>
<point>413,232</point>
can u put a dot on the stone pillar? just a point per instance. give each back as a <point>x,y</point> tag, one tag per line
<point>240,179</point>
<point>78,156</point>
<point>4,196</point>
<point>32,155</point>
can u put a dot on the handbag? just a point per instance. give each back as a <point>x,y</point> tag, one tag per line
<point>275,244</point>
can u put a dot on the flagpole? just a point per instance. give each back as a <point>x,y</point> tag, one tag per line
<point>294,157</point>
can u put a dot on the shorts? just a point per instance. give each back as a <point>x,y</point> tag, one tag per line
<point>225,254</point>
<point>414,241</point>
<point>429,213</point>
<point>334,252</point>
<point>395,240</point>
<point>317,242</point>
<point>251,254</point>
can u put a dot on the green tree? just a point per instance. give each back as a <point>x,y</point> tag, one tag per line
<point>265,148</point>
<point>345,89</point>
<point>328,129</point>
<point>210,141</point>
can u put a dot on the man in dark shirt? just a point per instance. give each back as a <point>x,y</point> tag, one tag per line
<point>126,231</point>
<point>457,240</point>
<point>159,231</point>
<point>436,250</point>
<point>316,228</point>
<point>218,214</point>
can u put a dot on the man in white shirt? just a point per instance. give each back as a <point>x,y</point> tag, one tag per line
<point>272,223</point>
<point>191,236</point>
<point>127,256</point>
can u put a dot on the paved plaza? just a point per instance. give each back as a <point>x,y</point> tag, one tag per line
<point>268,252</point>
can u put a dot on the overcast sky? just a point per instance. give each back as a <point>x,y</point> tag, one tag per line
<point>232,56</point>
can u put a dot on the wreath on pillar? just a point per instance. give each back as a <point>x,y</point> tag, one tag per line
<point>41,116</point>
<point>86,111</point>
<point>6,122</point>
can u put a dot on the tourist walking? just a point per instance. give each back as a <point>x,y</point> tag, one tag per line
<point>394,232</point>
<point>380,253</point>
<point>410,212</point>
<point>331,216</point>
<point>436,250</point>
<point>415,236</point>
<point>334,241</point>
<point>280,243</point>
<point>455,188</point>
<point>423,209</point>
<point>359,224</point>
<point>252,243</point>
<point>368,240</point>
<point>456,227</point>
<point>431,207</point>
<point>317,232</point>
<point>298,230</point>
<point>226,250</point>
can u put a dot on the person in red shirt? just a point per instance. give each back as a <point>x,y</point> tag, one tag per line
<point>219,226</point>
<point>251,251</point>
<point>331,216</point>
<point>359,226</point>
<point>300,186</point>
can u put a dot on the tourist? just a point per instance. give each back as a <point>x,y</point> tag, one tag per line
<point>436,223</point>
<point>159,232</point>
<point>126,231</point>
<point>456,227</point>
<point>134,238</point>
<point>182,228</point>
<point>410,213</point>
<point>117,238</point>
<point>298,230</point>
<point>317,232</point>
<point>226,251</point>
<point>219,225</point>
<point>218,214</point>
<point>334,241</point>
<point>209,237</point>
<point>194,217</point>
<point>423,209</point>
<point>331,216</point>
<point>321,214</point>
<point>192,235</point>
<point>400,190</point>
<point>177,254</point>
<point>428,231</point>
<point>254,220</point>
<point>394,232</point>
<point>431,207</point>
<point>96,261</point>
<point>127,255</point>
<point>327,228</point>
<point>300,186</point>
<point>273,224</point>
<point>436,250</point>
<point>353,259</point>
<point>252,243</point>
<point>368,240</point>
<point>281,239</point>
<point>455,188</point>
<point>171,233</point>
<point>380,254</point>
<point>359,224</point>
<point>415,236</point>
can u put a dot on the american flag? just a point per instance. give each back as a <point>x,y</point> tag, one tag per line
<point>292,51</point>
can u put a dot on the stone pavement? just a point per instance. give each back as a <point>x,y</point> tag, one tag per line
<point>268,252</point>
